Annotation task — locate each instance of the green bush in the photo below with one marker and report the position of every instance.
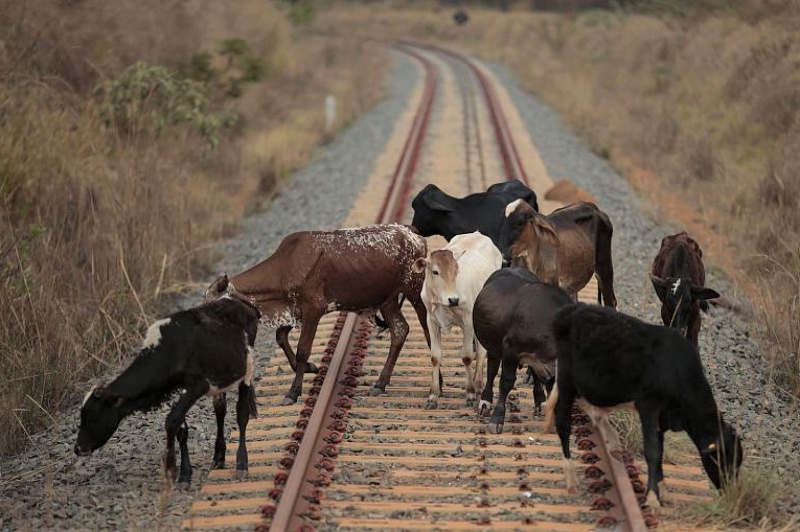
(146, 99)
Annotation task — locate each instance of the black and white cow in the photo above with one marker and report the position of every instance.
(438, 213)
(206, 350)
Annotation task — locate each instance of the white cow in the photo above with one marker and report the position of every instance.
(454, 276)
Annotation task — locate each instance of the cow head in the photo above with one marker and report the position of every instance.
(441, 270)
(101, 414)
(723, 458)
(218, 288)
(527, 238)
(429, 204)
(680, 299)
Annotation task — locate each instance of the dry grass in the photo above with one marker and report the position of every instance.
(99, 229)
(753, 502)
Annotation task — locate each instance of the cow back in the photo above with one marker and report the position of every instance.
(680, 256)
(515, 308)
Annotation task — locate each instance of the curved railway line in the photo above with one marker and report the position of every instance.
(341, 459)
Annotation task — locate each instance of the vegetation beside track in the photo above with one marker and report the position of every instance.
(126, 148)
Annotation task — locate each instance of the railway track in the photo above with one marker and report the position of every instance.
(345, 460)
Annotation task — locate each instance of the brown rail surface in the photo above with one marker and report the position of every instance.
(343, 460)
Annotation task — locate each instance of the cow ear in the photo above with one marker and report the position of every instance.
(114, 400)
(703, 293)
(437, 204)
(457, 254)
(546, 231)
(661, 286)
(419, 265)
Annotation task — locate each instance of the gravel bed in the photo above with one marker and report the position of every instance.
(119, 487)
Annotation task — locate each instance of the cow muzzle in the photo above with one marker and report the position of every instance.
(452, 301)
(82, 452)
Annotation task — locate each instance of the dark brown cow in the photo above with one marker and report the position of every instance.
(564, 248)
(678, 276)
(316, 272)
(512, 318)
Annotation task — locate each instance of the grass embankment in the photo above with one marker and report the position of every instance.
(132, 134)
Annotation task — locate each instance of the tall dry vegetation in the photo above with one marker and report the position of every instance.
(109, 205)
(699, 101)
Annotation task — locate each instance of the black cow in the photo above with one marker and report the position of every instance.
(607, 359)
(437, 213)
(513, 317)
(207, 350)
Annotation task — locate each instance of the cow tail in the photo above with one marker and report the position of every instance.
(603, 263)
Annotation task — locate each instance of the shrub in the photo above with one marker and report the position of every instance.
(146, 99)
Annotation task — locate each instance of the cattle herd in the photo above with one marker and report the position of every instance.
(508, 278)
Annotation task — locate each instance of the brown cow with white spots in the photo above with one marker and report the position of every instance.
(313, 273)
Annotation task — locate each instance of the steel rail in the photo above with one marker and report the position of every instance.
(292, 505)
(323, 420)
(509, 154)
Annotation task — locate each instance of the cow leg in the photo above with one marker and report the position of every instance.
(508, 374)
(282, 338)
(422, 313)
(480, 368)
(530, 378)
(175, 419)
(304, 345)
(653, 453)
(492, 367)
(398, 328)
(220, 406)
(538, 395)
(186, 465)
(467, 348)
(244, 411)
(436, 360)
(563, 415)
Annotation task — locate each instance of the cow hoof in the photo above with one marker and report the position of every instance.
(183, 485)
(375, 391)
(311, 368)
(432, 404)
(288, 401)
(241, 474)
(537, 410)
(495, 428)
(218, 464)
(484, 407)
(652, 502)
